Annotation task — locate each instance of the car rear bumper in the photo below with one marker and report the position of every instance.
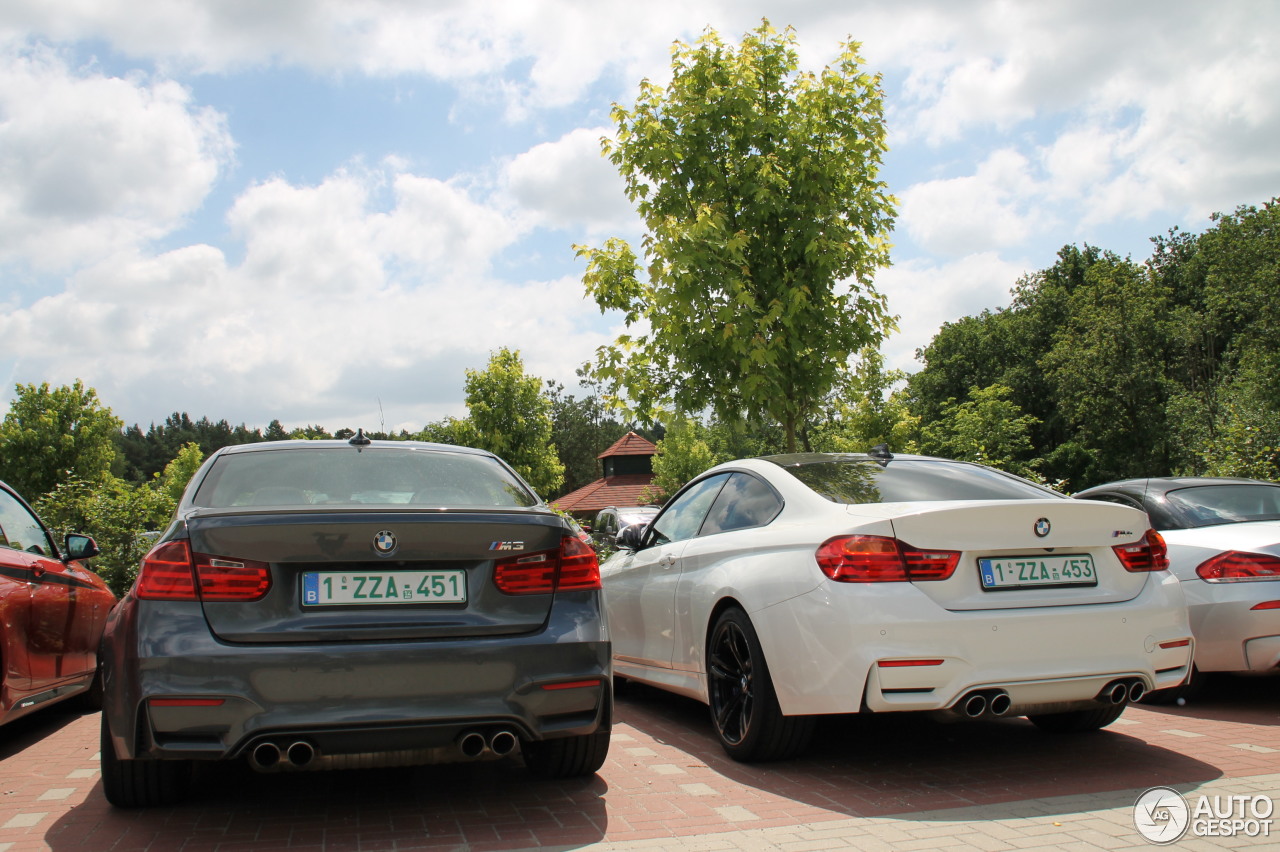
(1231, 636)
(173, 691)
(864, 648)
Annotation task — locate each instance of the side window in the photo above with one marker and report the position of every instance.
(683, 517)
(743, 502)
(21, 529)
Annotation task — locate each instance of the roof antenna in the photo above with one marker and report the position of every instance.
(880, 451)
(359, 440)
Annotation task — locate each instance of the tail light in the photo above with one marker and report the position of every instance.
(572, 566)
(171, 572)
(1235, 566)
(878, 559)
(1148, 553)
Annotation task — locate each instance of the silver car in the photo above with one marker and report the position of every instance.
(353, 604)
(1224, 547)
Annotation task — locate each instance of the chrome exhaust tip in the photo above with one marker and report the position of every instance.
(1136, 690)
(300, 753)
(471, 744)
(1000, 704)
(503, 743)
(974, 705)
(265, 756)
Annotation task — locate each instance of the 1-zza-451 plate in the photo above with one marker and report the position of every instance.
(1020, 572)
(335, 588)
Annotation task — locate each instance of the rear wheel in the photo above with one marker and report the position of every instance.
(567, 757)
(1078, 721)
(141, 783)
(744, 706)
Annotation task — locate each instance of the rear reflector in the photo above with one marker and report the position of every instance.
(1148, 553)
(893, 664)
(1177, 643)
(879, 559)
(573, 566)
(1235, 566)
(1266, 605)
(573, 684)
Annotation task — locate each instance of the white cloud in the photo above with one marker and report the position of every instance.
(925, 294)
(990, 209)
(568, 183)
(89, 163)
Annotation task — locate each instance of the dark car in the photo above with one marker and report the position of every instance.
(333, 604)
(52, 612)
(612, 520)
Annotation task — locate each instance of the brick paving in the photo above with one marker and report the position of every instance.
(886, 782)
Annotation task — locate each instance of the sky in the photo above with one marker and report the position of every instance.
(326, 211)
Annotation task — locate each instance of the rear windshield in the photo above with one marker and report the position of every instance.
(374, 476)
(858, 480)
(1207, 505)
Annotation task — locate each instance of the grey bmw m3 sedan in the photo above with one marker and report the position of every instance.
(355, 604)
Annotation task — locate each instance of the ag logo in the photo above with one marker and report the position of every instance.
(1042, 527)
(384, 543)
(1161, 815)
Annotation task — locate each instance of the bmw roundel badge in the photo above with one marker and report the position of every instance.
(1042, 527)
(384, 543)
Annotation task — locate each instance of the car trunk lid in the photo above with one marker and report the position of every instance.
(375, 576)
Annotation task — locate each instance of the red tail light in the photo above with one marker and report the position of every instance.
(573, 566)
(1148, 553)
(170, 572)
(166, 574)
(1235, 566)
(878, 559)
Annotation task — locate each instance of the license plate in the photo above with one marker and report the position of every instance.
(1020, 572)
(336, 588)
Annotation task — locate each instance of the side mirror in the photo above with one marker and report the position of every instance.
(632, 537)
(80, 547)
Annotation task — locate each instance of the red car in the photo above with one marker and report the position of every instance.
(52, 611)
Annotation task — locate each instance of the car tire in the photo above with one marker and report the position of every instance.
(744, 707)
(141, 783)
(1078, 721)
(567, 757)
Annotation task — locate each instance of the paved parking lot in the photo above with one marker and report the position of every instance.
(890, 782)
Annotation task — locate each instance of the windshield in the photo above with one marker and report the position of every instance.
(373, 476)
(1207, 505)
(862, 480)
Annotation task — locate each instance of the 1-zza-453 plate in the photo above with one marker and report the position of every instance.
(1020, 572)
(334, 588)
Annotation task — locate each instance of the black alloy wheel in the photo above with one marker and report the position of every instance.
(744, 706)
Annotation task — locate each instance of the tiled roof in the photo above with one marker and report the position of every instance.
(629, 444)
(624, 490)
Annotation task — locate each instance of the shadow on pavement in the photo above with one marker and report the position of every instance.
(489, 804)
(906, 763)
(1248, 700)
(22, 733)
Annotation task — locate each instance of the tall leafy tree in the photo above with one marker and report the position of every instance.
(759, 186)
(53, 434)
(512, 418)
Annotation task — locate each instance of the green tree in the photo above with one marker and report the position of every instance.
(52, 435)
(581, 430)
(758, 184)
(172, 481)
(512, 418)
(867, 409)
(116, 513)
(682, 454)
(987, 427)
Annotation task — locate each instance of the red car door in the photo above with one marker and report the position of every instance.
(36, 639)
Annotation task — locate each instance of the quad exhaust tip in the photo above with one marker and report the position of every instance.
(985, 702)
(499, 743)
(1123, 691)
(269, 757)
